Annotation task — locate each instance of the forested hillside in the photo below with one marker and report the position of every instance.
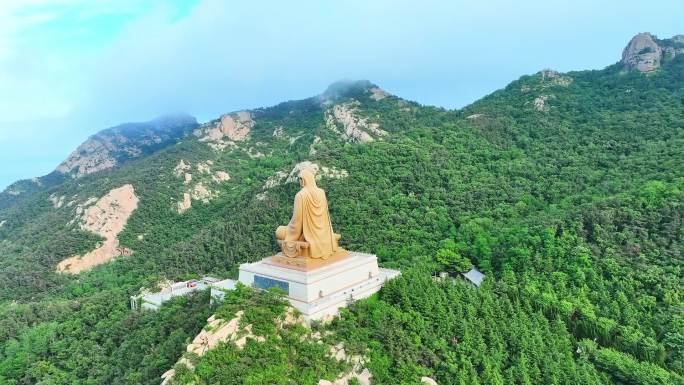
(566, 190)
(105, 150)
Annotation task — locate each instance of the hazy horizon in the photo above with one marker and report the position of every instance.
(70, 68)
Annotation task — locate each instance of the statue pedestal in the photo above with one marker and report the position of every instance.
(306, 264)
(319, 291)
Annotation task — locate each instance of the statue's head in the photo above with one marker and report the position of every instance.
(307, 178)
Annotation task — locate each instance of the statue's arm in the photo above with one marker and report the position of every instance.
(294, 228)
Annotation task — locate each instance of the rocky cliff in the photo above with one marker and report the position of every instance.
(115, 145)
(645, 52)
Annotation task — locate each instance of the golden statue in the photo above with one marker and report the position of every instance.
(308, 240)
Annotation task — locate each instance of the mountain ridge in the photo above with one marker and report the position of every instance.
(565, 189)
(645, 52)
(107, 148)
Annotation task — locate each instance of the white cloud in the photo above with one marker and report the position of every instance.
(40, 61)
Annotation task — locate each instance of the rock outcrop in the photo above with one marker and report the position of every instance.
(201, 190)
(555, 78)
(181, 168)
(57, 201)
(220, 176)
(355, 127)
(107, 217)
(236, 127)
(313, 146)
(278, 132)
(201, 193)
(646, 53)
(358, 373)
(226, 131)
(185, 204)
(219, 330)
(539, 103)
(281, 177)
(94, 155)
(642, 53)
(110, 147)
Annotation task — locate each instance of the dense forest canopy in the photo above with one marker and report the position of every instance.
(566, 190)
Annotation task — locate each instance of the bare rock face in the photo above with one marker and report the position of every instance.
(282, 177)
(201, 193)
(110, 147)
(107, 218)
(95, 154)
(226, 131)
(642, 53)
(204, 177)
(647, 53)
(236, 127)
(278, 132)
(312, 147)
(356, 128)
(57, 201)
(204, 167)
(220, 176)
(540, 103)
(549, 76)
(185, 204)
(181, 168)
(219, 331)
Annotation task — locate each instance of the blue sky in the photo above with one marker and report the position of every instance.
(69, 68)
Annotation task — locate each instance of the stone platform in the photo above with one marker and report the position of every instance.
(320, 291)
(305, 264)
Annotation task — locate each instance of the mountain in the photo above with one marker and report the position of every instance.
(565, 189)
(105, 150)
(116, 145)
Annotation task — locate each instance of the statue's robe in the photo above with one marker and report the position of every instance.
(310, 219)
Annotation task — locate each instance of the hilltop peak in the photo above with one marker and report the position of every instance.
(646, 53)
(345, 89)
(342, 88)
(173, 121)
